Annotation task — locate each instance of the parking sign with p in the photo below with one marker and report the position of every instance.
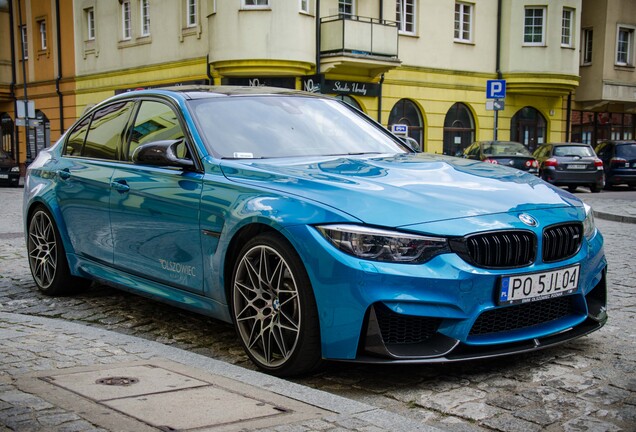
(495, 89)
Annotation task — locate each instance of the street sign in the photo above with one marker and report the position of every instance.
(495, 105)
(495, 89)
(25, 108)
(400, 129)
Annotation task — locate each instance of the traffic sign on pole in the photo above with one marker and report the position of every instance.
(495, 89)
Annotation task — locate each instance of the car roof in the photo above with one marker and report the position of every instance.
(569, 144)
(206, 91)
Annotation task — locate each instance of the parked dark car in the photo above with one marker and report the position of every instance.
(506, 153)
(9, 170)
(619, 162)
(571, 165)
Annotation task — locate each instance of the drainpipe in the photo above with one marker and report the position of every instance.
(498, 48)
(380, 99)
(13, 81)
(59, 65)
(381, 11)
(318, 42)
(567, 118)
(207, 69)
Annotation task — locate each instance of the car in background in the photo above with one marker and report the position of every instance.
(571, 165)
(505, 153)
(312, 229)
(9, 170)
(619, 162)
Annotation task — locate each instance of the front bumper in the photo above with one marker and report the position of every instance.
(386, 312)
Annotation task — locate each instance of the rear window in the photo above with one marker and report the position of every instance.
(505, 149)
(573, 151)
(627, 151)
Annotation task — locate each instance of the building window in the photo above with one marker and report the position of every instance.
(588, 37)
(463, 22)
(304, 6)
(534, 28)
(625, 46)
(346, 7)
(43, 41)
(191, 13)
(145, 17)
(405, 16)
(125, 20)
(459, 129)
(90, 24)
(406, 112)
(567, 25)
(255, 4)
(25, 42)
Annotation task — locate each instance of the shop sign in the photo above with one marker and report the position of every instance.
(283, 82)
(315, 84)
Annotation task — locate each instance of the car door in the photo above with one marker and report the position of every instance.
(155, 210)
(84, 173)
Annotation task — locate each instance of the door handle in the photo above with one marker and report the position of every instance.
(120, 186)
(64, 174)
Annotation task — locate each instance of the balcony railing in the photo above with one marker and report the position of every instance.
(354, 35)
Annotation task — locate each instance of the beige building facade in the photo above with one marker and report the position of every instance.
(422, 64)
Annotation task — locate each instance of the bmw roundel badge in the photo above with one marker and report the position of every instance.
(528, 220)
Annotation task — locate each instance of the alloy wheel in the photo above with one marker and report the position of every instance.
(267, 306)
(43, 249)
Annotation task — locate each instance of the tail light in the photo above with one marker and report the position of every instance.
(551, 162)
(492, 161)
(532, 163)
(598, 164)
(618, 161)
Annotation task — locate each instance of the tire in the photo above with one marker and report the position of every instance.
(274, 309)
(572, 188)
(47, 258)
(594, 188)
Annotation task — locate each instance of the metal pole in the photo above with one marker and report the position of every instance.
(494, 134)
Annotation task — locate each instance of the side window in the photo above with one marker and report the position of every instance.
(75, 141)
(105, 132)
(155, 121)
(474, 150)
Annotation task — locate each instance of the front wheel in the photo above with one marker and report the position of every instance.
(47, 258)
(274, 309)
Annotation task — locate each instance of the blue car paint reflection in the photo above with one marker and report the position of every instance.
(177, 235)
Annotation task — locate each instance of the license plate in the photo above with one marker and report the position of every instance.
(4, 176)
(575, 166)
(531, 287)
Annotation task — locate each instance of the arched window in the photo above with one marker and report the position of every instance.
(7, 127)
(459, 129)
(528, 127)
(407, 113)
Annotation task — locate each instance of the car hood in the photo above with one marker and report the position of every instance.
(400, 190)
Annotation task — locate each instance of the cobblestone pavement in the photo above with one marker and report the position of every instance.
(586, 385)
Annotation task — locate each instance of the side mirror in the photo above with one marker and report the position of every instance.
(412, 144)
(161, 153)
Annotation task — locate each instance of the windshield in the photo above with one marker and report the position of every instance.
(573, 151)
(505, 149)
(245, 127)
(627, 151)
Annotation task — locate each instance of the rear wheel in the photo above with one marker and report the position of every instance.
(47, 258)
(594, 188)
(274, 309)
(572, 188)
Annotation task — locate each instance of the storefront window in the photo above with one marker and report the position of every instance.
(591, 127)
(459, 129)
(528, 126)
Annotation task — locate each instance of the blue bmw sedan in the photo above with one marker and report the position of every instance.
(312, 229)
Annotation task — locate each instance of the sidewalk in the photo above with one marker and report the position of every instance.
(61, 376)
(616, 210)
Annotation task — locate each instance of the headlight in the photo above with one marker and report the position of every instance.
(15, 169)
(589, 227)
(383, 245)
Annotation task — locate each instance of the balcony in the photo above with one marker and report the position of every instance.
(358, 45)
